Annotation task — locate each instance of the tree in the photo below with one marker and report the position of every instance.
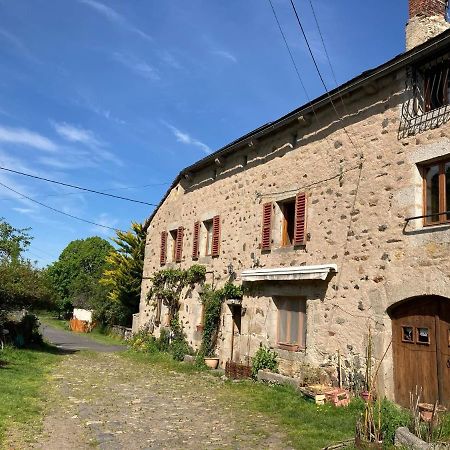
(123, 277)
(22, 285)
(76, 274)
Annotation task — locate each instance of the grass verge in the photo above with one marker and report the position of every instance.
(23, 375)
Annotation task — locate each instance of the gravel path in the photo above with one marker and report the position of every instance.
(68, 341)
(107, 401)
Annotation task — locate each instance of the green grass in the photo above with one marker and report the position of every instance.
(23, 376)
(306, 425)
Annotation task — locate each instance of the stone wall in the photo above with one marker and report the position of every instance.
(358, 198)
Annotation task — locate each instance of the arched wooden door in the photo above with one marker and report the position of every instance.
(421, 344)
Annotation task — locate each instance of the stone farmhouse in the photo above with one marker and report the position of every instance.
(337, 218)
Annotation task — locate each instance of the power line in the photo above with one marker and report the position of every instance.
(57, 210)
(318, 71)
(65, 194)
(76, 187)
(296, 67)
(333, 73)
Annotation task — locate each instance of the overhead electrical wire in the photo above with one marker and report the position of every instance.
(57, 210)
(73, 186)
(319, 72)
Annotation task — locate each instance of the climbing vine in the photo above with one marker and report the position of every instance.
(168, 285)
(212, 300)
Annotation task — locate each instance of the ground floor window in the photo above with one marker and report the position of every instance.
(291, 322)
(436, 178)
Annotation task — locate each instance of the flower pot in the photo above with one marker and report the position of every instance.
(366, 396)
(212, 363)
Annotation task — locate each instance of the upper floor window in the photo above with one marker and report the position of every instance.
(208, 227)
(436, 87)
(436, 179)
(288, 222)
(284, 223)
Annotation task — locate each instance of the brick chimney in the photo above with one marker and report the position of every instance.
(427, 18)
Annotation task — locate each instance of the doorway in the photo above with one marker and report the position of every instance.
(421, 349)
(236, 313)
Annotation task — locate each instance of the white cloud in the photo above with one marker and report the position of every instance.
(116, 18)
(76, 134)
(185, 138)
(226, 55)
(137, 66)
(22, 136)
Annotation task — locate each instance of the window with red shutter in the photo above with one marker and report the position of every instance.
(215, 247)
(196, 241)
(163, 253)
(266, 226)
(179, 244)
(300, 219)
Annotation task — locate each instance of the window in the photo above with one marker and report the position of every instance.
(436, 179)
(208, 225)
(408, 334)
(436, 87)
(291, 322)
(423, 336)
(288, 222)
(173, 244)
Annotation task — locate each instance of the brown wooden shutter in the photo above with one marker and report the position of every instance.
(163, 253)
(215, 248)
(266, 226)
(300, 219)
(179, 244)
(195, 240)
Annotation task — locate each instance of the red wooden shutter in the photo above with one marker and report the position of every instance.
(195, 241)
(179, 244)
(300, 219)
(163, 253)
(266, 226)
(215, 248)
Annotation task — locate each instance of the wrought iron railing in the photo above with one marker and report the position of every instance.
(427, 97)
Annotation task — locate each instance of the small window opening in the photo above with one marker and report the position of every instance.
(288, 222)
(245, 160)
(173, 243)
(208, 224)
(407, 334)
(423, 336)
(237, 318)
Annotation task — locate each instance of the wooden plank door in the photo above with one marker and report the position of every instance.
(443, 351)
(415, 345)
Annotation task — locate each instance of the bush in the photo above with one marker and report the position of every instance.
(264, 359)
(144, 342)
(24, 332)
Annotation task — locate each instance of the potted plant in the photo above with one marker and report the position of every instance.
(212, 362)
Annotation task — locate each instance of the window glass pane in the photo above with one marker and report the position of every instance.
(432, 186)
(423, 335)
(294, 334)
(447, 188)
(282, 325)
(407, 334)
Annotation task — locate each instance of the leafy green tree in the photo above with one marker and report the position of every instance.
(22, 285)
(123, 277)
(76, 274)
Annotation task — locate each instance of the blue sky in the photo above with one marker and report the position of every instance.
(121, 95)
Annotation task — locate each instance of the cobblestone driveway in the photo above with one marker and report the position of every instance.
(107, 401)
